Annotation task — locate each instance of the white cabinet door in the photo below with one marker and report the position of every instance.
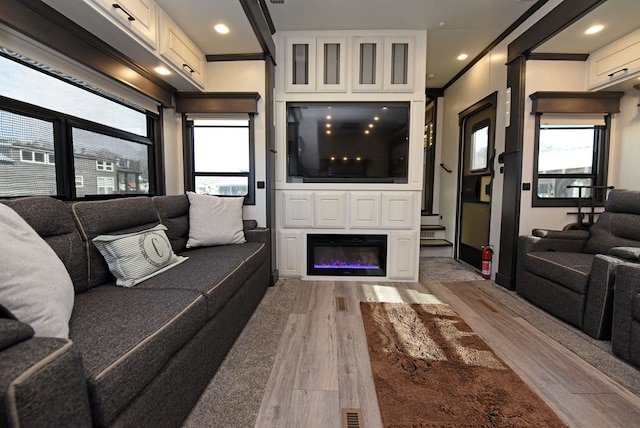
(402, 255)
(180, 51)
(291, 254)
(300, 64)
(364, 210)
(397, 210)
(615, 62)
(398, 64)
(367, 55)
(297, 209)
(330, 210)
(332, 64)
(139, 17)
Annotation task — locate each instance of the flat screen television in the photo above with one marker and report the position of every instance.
(348, 141)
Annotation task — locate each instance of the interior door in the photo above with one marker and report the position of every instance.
(477, 126)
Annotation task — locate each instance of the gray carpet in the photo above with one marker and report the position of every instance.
(233, 397)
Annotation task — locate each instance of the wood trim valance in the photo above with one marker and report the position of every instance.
(576, 102)
(217, 102)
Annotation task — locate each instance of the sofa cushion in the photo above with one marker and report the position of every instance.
(34, 283)
(136, 257)
(215, 272)
(126, 336)
(569, 269)
(51, 219)
(174, 214)
(214, 220)
(110, 217)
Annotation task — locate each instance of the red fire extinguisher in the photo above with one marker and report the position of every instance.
(487, 255)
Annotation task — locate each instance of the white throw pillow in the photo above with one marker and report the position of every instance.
(214, 220)
(135, 257)
(34, 283)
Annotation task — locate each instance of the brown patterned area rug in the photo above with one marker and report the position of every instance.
(431, 370)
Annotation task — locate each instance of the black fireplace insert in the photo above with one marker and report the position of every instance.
(344, 255)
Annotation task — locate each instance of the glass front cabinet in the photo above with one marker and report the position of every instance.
(357, 64)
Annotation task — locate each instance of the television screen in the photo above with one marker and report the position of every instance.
(348, 142)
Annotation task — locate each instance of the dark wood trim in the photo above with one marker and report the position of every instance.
(267, 16)
(237, 57)
(434, 92)
(270, 157)
(512, 170)
(557, 57)
(260, 27)
(552, 23)
(44, 24)
(576, 102)
(563, 15)
(158, 155)
(217, 102)
(488, 101)
(533, 9)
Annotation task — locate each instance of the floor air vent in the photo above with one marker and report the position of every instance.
(341, 304)
(352, 418)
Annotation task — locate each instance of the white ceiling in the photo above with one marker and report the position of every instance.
(453, 26)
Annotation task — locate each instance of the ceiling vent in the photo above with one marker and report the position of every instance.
(278, 1)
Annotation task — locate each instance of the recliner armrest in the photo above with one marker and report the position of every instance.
(571, 243)
(561, 234)
(626, 289)
(626, 253)
(598, 311)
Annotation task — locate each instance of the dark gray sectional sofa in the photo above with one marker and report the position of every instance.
(571, 274)
(140, 356)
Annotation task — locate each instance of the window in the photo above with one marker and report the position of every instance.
(570, 158)
(105, 185)
(104, 166)
(222, 153)
(479, 148)
(88, 145)
(37, 157)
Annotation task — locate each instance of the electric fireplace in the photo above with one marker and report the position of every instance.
(346, 255)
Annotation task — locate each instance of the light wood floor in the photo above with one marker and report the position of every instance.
(323, 365)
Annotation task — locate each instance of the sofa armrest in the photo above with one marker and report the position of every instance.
(598, 311)
(259, 234)
(42, 383)
(626, 289)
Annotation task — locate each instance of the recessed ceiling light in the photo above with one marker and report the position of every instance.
(462, 57)
(595, 29)
(162, 70)
(221, 28)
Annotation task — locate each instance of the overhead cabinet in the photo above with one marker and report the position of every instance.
(139, 17)
(376, 64)
(180, 51)
(142, 31)
(616, 62)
